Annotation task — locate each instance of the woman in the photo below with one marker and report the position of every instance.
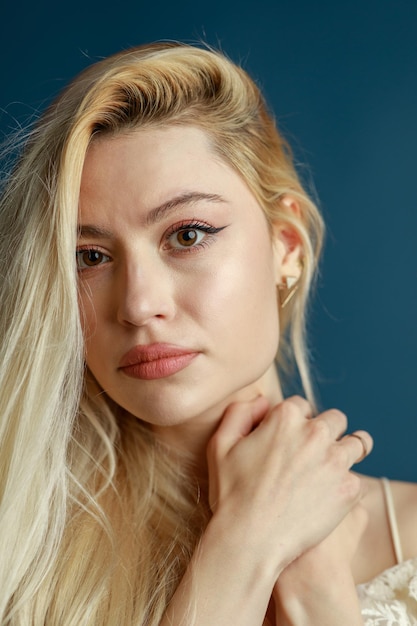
(153, 472)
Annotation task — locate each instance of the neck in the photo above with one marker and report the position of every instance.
(193, 436)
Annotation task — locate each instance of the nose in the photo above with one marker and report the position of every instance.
(145, 293)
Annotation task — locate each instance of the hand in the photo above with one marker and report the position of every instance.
(329, 558)
(320, 583)
(280, 479)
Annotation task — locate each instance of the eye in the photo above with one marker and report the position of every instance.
(186, 237)
(190, 235)
(90, 257)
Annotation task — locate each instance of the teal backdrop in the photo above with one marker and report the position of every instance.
(342, 80)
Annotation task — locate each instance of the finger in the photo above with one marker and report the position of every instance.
(359, 445)
(366, 441)
(291, 408)
(336, 422)
(299, 405)
(239, 419)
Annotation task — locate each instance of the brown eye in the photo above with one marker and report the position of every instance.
(90, 258)
(186, 238)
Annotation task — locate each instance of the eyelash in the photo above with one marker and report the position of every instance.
(81, 251)
(209, 231)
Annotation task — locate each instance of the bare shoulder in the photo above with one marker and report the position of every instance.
(404, 495)
(376, 551)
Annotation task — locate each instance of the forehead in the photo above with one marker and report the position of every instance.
(150, 147)
(145, 155)
(150, 166)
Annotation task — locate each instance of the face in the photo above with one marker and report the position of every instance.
(177, 275)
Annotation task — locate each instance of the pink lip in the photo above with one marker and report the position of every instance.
(156, 360)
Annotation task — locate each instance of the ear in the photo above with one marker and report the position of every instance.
(287, 246)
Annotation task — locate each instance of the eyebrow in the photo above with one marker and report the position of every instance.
(88, 230)
(185, 199)
(157, 214)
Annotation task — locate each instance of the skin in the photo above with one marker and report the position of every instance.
(218, 297)
(356, 552)
(262, 455)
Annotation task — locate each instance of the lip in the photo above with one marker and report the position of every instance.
(157, 360)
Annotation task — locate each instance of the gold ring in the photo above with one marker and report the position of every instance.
(364, 446)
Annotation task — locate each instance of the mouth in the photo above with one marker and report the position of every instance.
(155, 361)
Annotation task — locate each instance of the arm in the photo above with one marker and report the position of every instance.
(224, 584)
(268, 470)
(318, 588)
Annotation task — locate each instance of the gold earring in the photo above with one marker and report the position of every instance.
(287, 289)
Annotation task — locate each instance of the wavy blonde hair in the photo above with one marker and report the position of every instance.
(97, 522)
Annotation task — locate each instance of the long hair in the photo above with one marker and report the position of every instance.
(97, 521)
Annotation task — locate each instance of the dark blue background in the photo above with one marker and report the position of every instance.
(342, 80)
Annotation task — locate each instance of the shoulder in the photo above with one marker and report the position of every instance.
(376, 550)
(404, 495)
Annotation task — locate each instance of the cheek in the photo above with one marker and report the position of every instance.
(239, 299)
(258, 300)
(88, 318)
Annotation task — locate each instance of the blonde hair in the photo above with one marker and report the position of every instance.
(97, 522)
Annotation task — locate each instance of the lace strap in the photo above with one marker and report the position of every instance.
(392, 520)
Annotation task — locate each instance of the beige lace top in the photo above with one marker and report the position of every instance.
(391, 598)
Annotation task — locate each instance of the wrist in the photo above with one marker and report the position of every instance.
(329, 600)
(238, 543)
